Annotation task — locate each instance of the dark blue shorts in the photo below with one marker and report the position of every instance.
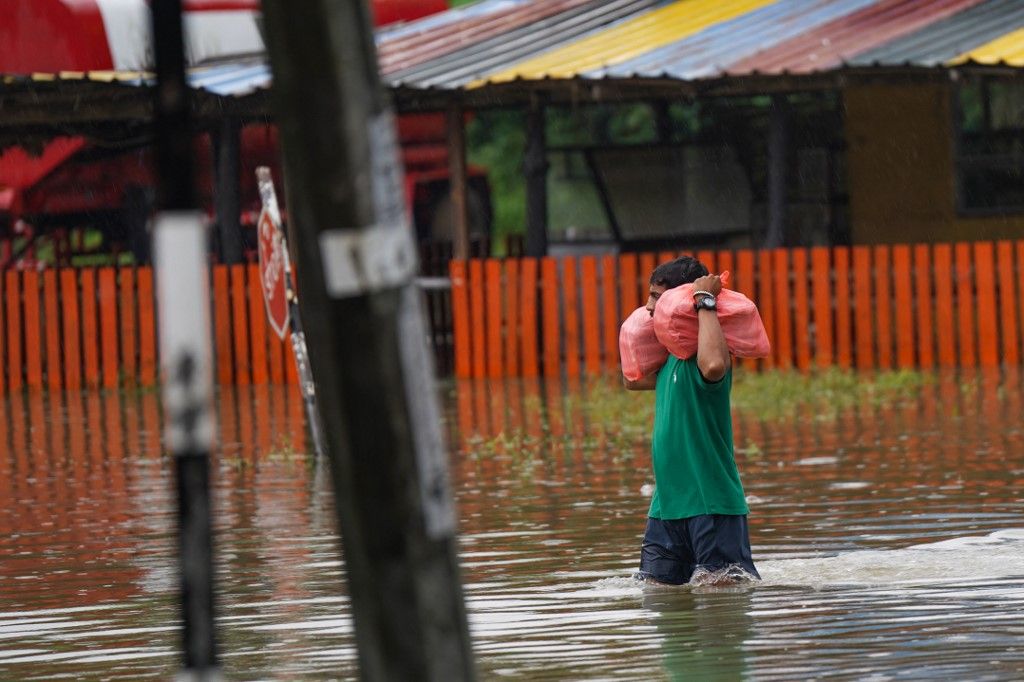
(673, 549)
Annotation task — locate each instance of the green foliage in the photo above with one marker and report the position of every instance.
(776, 395)
(604, 414)
(496, 140)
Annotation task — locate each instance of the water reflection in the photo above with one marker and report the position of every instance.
(888, 536)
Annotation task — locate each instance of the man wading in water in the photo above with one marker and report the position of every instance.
(697, 524)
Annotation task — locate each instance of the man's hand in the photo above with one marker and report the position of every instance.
(646, 383)
(709, 283)
(712, 352)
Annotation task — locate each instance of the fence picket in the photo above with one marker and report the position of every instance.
(923, 309)
(108, 326)
(965, 304)
(493, 288)
(51, 327)
(942, 257)
(570, 292)
(512, 317)
(476, 309)
(72, 329)
(883, 306)
(1008, 302)
(610, 316)
(33, 330)
(126, 283)
(460, 318)
(783, 309)
(1020, 284)
(591, 340)
(8, 367)
(222, 325)
(13, 296)
(821, 288)
(844, 338)
(744, 282)
(257, 326)
(988, 326)
(862, 326)
(904, 296)
(528, 299)
(243, 369)
(147, 328)
(766, 304)
(801, 311)
(549, 310)
(724, 261)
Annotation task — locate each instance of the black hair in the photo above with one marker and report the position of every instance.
(682, 270)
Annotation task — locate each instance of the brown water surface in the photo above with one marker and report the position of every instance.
(891, 540)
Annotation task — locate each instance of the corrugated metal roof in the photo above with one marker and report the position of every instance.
(949, 38)
(628, 39)
(473, 62)
(409, 50)
(842, 40)
(709, 52)
(1008, 49)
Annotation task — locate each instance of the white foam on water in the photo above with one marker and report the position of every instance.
(815, 461)
(994, 556)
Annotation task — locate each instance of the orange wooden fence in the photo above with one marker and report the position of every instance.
(867, 307)
(73, 328)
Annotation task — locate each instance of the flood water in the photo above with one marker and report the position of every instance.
(890, 539)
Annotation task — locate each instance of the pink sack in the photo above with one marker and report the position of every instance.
(639, 349)
(675, 323)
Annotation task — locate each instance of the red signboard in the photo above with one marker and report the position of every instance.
(272, 272)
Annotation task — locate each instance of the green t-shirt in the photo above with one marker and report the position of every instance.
(694, 469)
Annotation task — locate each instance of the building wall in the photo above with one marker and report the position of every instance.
(900, 169)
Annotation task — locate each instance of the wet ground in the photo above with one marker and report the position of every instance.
(891, 540)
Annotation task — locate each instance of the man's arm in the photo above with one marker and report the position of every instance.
(647, 383)
(712, 352)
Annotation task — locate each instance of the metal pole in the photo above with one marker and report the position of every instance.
(185, 354)
(227, 147)
(536, 168)
(355, 264)
(778, 143)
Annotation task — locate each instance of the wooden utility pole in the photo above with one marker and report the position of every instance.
(186, 359)
(356, 262)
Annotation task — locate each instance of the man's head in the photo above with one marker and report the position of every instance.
(682, 270)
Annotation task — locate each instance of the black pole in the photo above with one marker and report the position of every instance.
(180, 247)
(356, 262)
(535, 162)
(778, 154)
(227, 147)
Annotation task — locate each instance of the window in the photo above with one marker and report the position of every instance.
(990, 146)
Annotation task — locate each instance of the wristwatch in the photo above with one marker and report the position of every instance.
(705, 302)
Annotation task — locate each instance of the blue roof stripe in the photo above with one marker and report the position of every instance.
(231, 79)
